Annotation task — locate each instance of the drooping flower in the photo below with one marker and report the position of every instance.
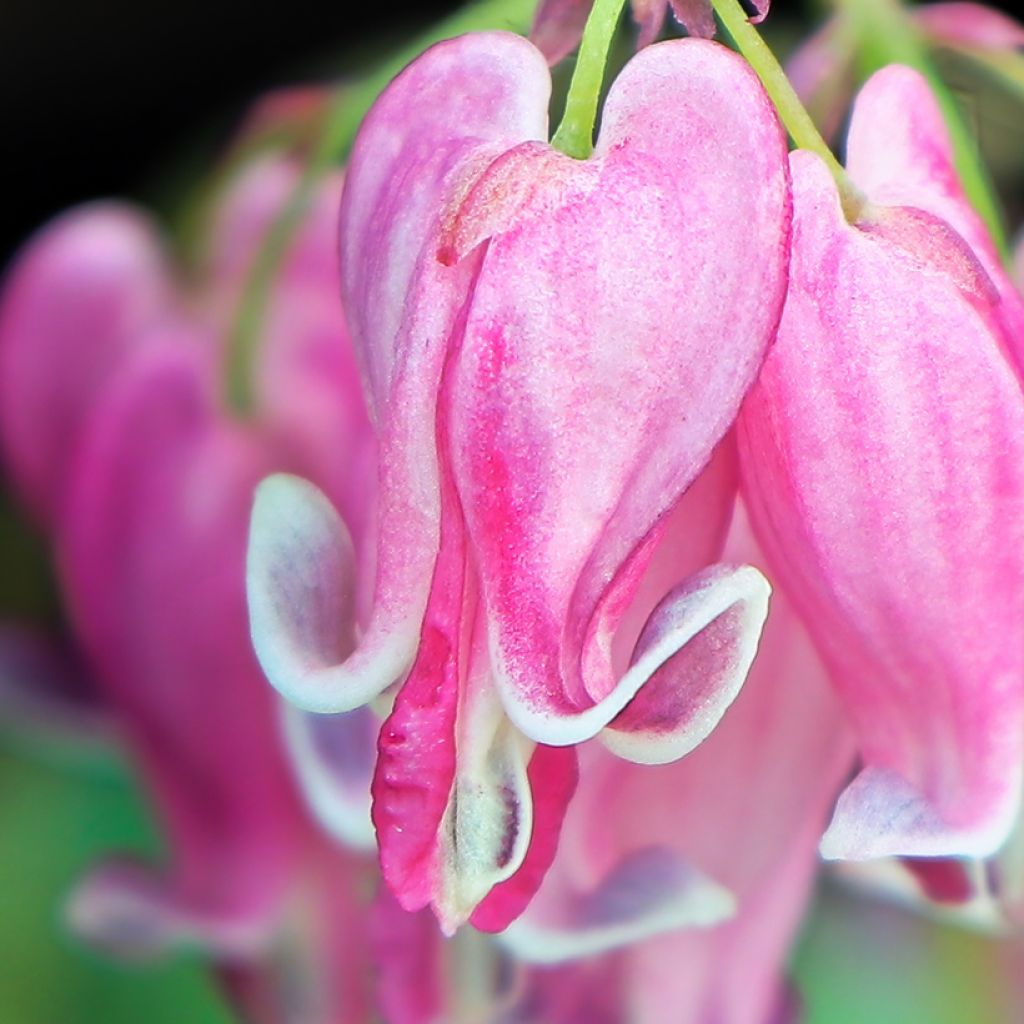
(883, 458)
(552, 350)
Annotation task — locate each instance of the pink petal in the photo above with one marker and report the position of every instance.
(567, 487)
(969, 25)
(401, 304)
(300, 581)
(558, 27)
(128, 910)
(650, 18)
(409, 960)
(79, 299)
(152, 562)
(906, 159)
(884, 456)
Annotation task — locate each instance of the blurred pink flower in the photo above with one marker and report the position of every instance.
(116, 428)
(823, 68)
(883, 458)
(541, 406)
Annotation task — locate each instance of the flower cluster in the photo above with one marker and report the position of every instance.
(617, 517)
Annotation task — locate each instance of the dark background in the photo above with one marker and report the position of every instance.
(112, 97)
(98, 97)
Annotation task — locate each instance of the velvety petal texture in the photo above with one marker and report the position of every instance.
(883, 455)
(540, 411)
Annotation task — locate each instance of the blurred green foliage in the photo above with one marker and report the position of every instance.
(54, 824)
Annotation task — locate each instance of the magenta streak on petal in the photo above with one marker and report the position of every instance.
(944, 881)
(483, 92)
(416, 748)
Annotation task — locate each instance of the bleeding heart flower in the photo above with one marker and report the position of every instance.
(552, 350)
(883, 456)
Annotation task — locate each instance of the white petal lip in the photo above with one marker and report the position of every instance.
(677, 896)
(719, 589)
(300, 578)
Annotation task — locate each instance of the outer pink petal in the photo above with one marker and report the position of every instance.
(884, 455)
(453, 796)
(152, 560)
(79, 299)
(899, 154)
(745, 809)
(969, 25)
(558, 27)
(487, 90)
(583, 405)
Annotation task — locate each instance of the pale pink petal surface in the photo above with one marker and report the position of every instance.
(883, 451)
(576, 424)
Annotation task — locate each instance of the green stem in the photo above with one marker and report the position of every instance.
(887, 35)
(792, 112)
(252, 307)
(575, 135)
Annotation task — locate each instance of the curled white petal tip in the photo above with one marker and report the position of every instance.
(734, 596)
(652, 891)
(300, 577)
(881, 815)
